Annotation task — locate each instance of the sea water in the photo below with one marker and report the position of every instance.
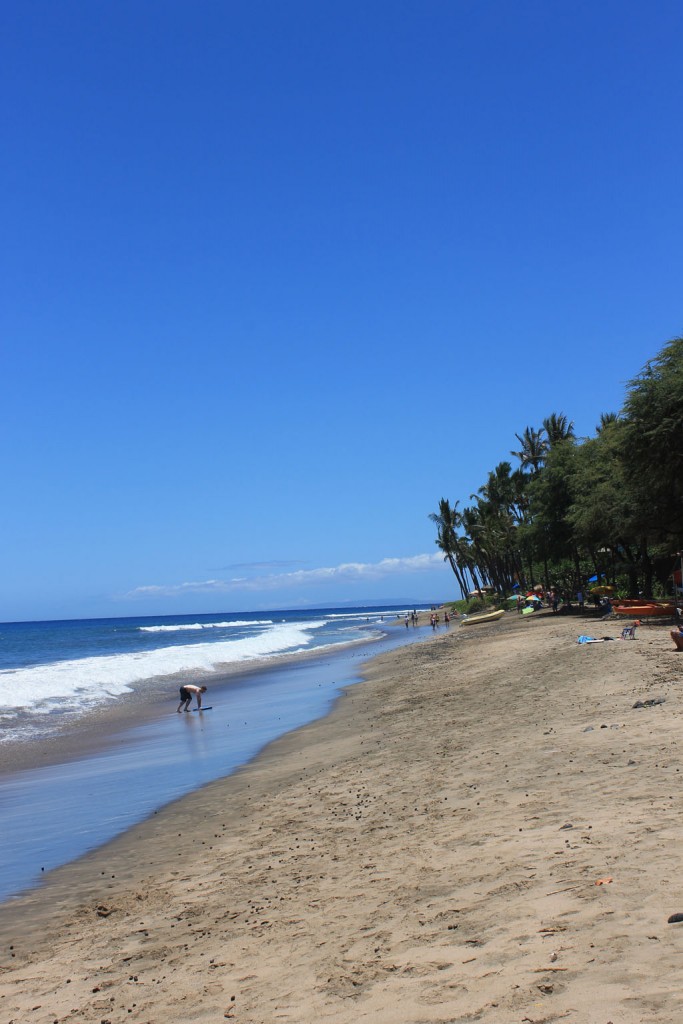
(52, 672)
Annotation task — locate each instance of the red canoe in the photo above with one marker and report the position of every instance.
(641, 611)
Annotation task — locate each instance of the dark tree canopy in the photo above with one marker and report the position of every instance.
(653, 439)
(574, 508)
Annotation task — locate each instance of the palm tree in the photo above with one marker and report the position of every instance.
(534, 447)
(448, 520)
(475, 547)
(520, 497)
(558, 429)
(498, 488)
(605, 419)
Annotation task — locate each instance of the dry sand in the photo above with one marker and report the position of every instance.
(427, 853)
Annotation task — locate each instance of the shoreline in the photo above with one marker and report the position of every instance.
(88, 732)
(80, 792)
(423, 851)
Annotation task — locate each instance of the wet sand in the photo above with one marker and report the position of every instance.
(428, 852)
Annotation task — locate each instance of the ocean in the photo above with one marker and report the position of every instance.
(266, 673)
(53, 672)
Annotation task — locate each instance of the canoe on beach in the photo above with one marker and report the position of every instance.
(643, 610)
(487, 617)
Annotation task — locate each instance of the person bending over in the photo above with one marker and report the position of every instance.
(186, 693)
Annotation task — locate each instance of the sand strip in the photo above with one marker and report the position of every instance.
(427, 853)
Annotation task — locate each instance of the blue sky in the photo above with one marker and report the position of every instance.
(278, 276)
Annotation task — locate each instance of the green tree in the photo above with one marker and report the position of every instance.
(550, 500)
(557, 429)
(653, 415)
(448, 521)
(613, 502)
(605, 419)
(533, 448)
(602, 513)
(501, 505)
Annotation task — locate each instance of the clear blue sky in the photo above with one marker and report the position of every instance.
(277, 276)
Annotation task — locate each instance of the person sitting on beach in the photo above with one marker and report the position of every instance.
(186, 696)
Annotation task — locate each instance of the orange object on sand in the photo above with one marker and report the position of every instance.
(643, 610)
(603, 881)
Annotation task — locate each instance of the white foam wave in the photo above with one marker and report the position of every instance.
(374, 615)
(88, 681)
(355, 615)
(205, 625)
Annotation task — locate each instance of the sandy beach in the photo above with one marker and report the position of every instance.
(485, 829)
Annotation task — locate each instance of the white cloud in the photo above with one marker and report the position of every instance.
(348, 572)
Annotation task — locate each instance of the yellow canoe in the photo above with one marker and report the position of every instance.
(487, 617)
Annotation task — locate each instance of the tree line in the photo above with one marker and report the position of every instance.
(610, 505)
